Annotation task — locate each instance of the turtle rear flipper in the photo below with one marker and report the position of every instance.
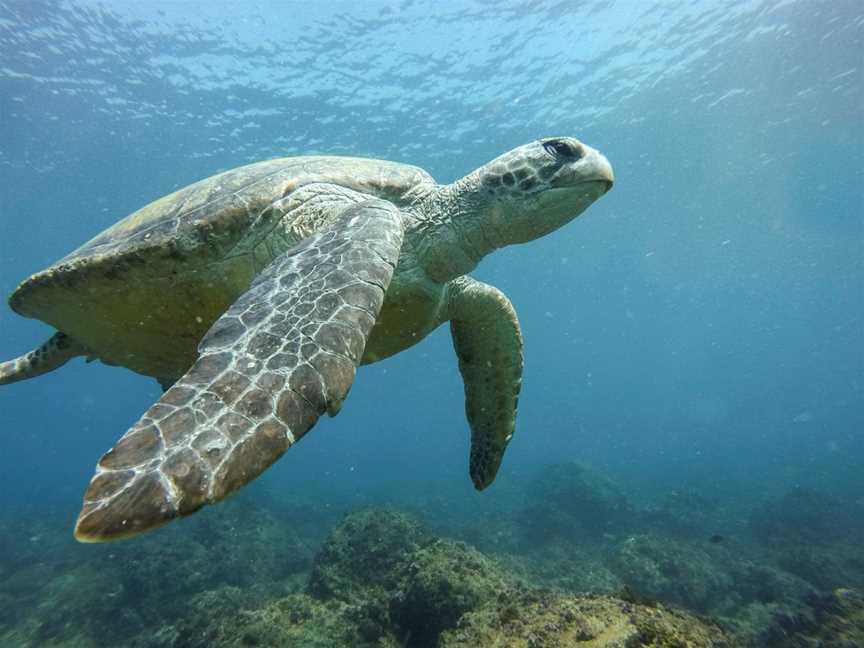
(54, 353)
(282, 355)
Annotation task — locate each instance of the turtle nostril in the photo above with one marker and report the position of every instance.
(609, 184)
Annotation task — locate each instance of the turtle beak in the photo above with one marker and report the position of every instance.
(605, 172)
(591, 167)
(598, 169)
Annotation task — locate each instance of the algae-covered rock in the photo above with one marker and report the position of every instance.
(815, 536)
(760, 583)
(256, 545)
(840, 564)
(223, 618)
(382, 581)
(8, 603)
(671, 571)
(569, 501)
(206, 614)
(532, 619)
(684, 513)
(295, 621)
(56, 592)
(391, 572)
(709, 579)
(444, 595)
(807, 516)
(359, 557)
(85, 602)
(565, 567)
(831, 620)
(438, 584)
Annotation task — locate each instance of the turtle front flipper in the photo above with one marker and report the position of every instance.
(282, 355)
(488, 342)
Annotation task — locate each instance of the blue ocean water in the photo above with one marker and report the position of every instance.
(700, 328)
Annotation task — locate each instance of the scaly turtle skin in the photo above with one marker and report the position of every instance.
(253, 295)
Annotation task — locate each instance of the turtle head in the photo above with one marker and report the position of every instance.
(517, 197)
(537, 188)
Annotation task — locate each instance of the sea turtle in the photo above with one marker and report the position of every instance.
(253, 295)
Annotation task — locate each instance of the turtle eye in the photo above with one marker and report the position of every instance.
(562, 149)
